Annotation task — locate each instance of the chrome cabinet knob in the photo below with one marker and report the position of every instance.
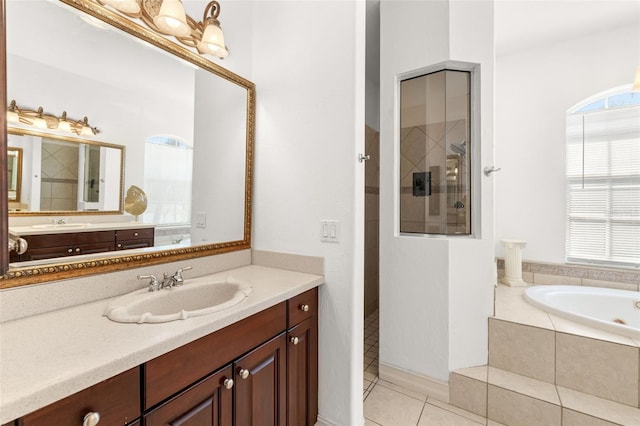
(91, 419)
(135, 234)
(228, 383)
(70, 250)
(243, 373)
(294, 340)
(304, 308)
(77, 249)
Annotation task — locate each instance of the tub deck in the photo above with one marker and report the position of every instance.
(511, 306)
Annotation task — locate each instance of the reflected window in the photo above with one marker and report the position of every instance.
(435, 142)
(168, 171)
(603, 179)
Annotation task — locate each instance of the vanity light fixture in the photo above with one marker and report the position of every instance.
(38, 118)
(168, 17)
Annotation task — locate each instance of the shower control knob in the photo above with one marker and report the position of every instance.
(304, 308)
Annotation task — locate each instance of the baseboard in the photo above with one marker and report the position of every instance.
(324, 422)
(433, 388)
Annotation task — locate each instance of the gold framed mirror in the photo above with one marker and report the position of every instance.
(225, 185)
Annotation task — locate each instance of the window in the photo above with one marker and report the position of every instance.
(603, 179)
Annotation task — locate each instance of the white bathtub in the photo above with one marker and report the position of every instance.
(615, 311)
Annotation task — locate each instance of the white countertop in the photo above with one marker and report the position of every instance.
(75, 227)
(47, 357)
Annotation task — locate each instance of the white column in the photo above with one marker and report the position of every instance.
(513, 263)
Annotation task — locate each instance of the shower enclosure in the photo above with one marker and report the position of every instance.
(435, 147)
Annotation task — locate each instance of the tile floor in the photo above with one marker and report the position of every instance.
(386, 404)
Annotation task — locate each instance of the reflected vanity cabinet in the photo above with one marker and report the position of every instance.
(260, 370)
(48, 246)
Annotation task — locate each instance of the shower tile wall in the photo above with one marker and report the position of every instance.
(372, 201)
(59, 183)
(423, 148)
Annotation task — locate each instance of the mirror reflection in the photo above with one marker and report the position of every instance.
(183, 128)
(14, 174)
(64, 174)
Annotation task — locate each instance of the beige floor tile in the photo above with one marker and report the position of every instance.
(368, 422)
(391, 408)
(478, 373)
(514, 409)
(471, 416)
(435, 416)
(369, 376)
(599, 408)
(522, 349)
(604, 369)
(402, 390)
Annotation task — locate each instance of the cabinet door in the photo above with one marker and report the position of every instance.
(260, 391)
(207, 403)
(302, 373)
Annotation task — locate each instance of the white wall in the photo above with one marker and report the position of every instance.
(534, 89)
(308, 66)
(435, 293)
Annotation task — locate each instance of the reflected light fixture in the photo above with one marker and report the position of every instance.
(38, 118)
(636, 83)
(168, 17)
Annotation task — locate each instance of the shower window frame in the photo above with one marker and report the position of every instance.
(474, 143)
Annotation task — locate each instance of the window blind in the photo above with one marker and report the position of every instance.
(603, 186)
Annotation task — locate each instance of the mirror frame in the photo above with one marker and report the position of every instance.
(19, 131)
(66, 269)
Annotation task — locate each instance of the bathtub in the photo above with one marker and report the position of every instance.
(615, 311)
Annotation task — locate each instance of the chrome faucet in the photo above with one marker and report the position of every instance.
(168, 281)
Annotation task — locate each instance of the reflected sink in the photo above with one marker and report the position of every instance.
(189, 300)
(60, 225)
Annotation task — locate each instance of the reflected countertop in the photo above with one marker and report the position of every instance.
(46, 357)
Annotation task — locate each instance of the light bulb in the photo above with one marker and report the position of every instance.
(213, 40)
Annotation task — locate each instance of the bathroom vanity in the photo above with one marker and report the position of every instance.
(254, 363)
(51, 242)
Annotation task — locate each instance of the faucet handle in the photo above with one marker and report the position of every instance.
(153, 283)
(177, 277)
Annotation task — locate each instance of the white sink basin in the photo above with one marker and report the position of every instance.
(189, 300)
(60, 225)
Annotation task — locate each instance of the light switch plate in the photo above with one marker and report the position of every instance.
(201, 220)
(330, 231)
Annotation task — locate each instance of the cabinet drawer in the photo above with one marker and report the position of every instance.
(134, 234)
(117, 400)
(175, 370)
(69, 239)
(303, 306)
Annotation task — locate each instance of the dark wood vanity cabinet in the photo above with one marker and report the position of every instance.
(47, 246)
(117, 400)
(262, 370)
(134, 238)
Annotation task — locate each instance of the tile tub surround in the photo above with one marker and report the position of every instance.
(46, 357)
(594, 380)
(565, 274)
